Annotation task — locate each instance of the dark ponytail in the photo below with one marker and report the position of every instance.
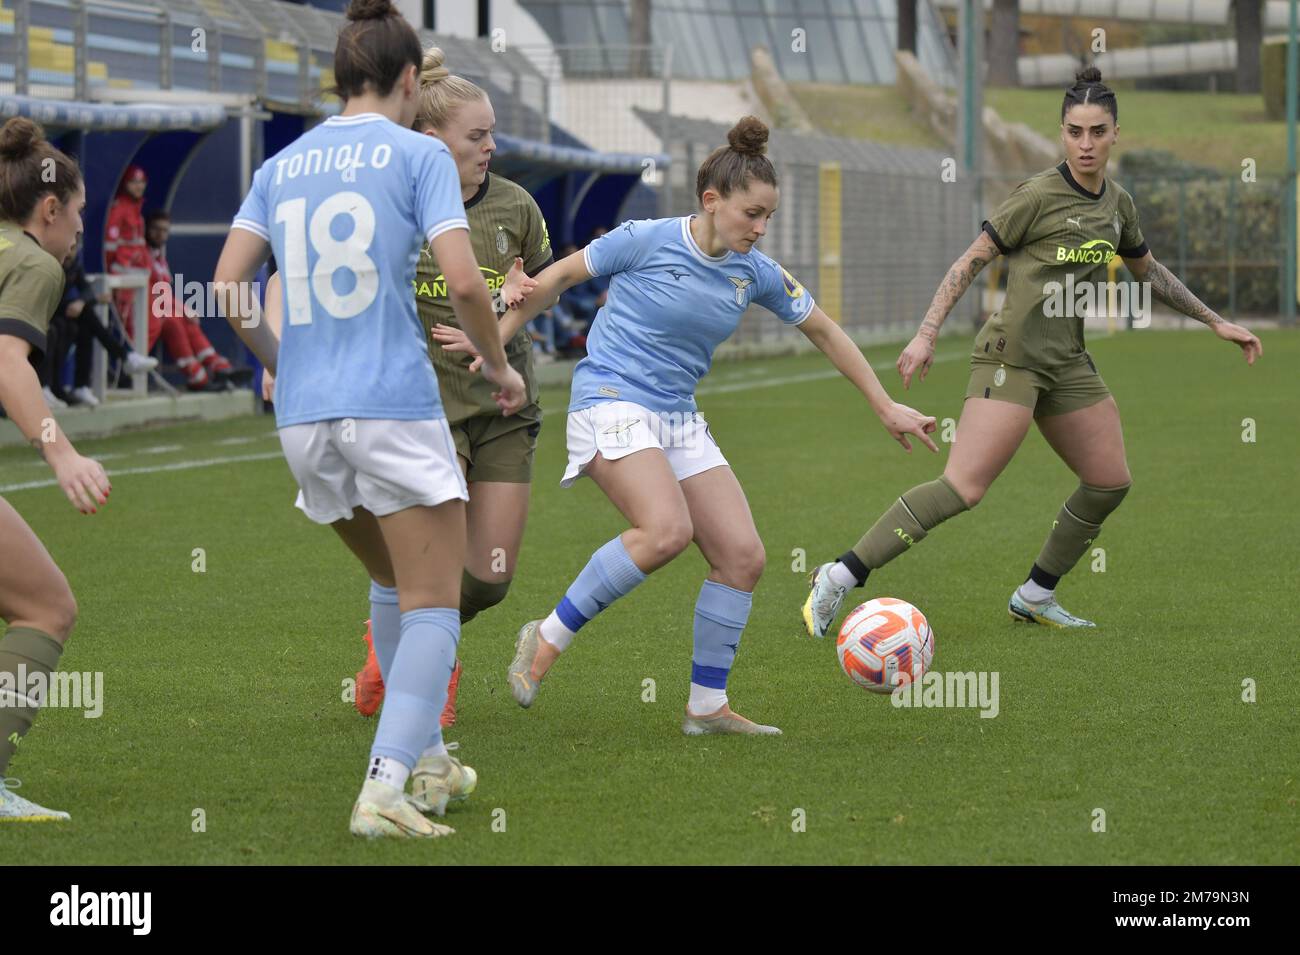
(733, 167)
(31, 168)
(373, 49)
(1088, 88)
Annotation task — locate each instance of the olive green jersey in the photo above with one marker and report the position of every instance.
(1050, 228)
(504, 222)
(31, 286)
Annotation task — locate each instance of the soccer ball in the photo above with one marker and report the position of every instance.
(885, 643)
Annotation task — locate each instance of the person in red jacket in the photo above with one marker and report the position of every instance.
(179, 326)
(124, 248)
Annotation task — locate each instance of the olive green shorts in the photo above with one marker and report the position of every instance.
(496, 448)
(1047, 391)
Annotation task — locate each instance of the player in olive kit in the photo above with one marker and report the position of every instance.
(1029, 363)
(496, 452)
(40, 223)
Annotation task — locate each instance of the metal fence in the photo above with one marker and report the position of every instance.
(870, 230)
(1224, 238)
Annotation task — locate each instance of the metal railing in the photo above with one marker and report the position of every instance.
(278, 53)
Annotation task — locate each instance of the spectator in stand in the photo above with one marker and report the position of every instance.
(79, 325)
(179, 326)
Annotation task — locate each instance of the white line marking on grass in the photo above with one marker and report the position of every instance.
(154, 469)
(808, 376)
(267, 456)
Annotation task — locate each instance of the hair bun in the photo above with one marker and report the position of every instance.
(749, 136)
(1089, 74)
(370, 10)
(432, 69)
(19, 138)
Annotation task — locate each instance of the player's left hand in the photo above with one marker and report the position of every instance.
(454, 339)
(517, 285)
(900, 421)
(1250, 345)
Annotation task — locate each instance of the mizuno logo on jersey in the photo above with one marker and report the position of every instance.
(742, 287)
(678, 274)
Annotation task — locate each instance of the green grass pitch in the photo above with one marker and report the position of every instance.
(224, 689)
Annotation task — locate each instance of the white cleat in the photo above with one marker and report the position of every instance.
(53, 400)
(384, 811)
(439, 780)
(725, 721)
(14, 808)
(823, 603)
(1049, 613)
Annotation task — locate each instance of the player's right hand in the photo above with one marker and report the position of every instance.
(268, 386)
(900, 421)
(917, 356)
(454, 339)
(511, 393)
(84, 482)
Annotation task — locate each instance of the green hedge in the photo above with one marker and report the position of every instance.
(1218, 234)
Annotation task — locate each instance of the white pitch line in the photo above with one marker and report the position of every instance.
(267, 456)
(808, 376)
(154, 469)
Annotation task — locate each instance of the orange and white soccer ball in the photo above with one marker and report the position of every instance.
(885, 643)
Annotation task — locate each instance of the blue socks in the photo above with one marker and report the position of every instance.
(721, 613)
(417, 683)
(609, 574)
(385, 625)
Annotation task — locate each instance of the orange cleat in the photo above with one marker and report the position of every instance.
(449, 711)
(370, 684)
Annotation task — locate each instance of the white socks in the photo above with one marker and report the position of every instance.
(437, 750)
(705, 700)
(1035, 593)
(841, 576)
(389, 771)
(554, 632)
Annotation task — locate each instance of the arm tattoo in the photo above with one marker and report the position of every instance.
(954, 284)
(1166, 287)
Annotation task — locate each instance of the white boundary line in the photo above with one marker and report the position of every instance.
(154, 469)
(269, 455)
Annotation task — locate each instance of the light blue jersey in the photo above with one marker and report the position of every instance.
(346, 209)
(668, 308)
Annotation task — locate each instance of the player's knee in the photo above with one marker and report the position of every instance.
(749, 567)
(60, 612)
(478, 595)
(970, 491)
(670, 536)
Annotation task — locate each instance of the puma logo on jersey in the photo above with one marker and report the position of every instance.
(1074, 221)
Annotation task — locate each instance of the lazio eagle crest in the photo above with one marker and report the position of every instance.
(742, 289)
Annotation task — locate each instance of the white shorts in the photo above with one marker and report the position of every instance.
(619, 428)
(382, 465)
